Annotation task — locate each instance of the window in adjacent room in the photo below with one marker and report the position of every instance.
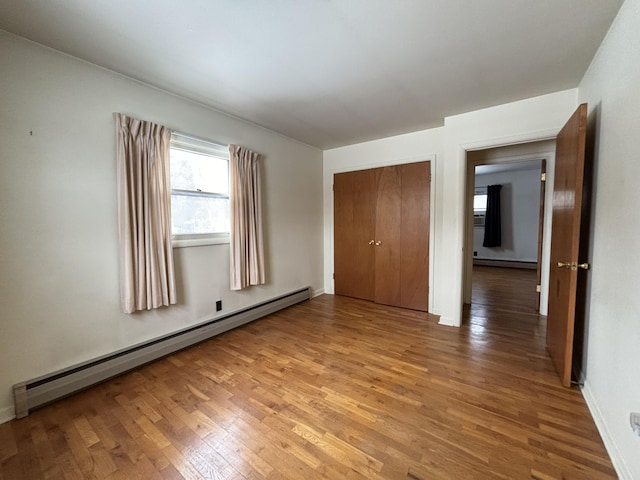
(199, 191)
(479, 206)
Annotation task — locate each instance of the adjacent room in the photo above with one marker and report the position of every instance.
(319, 239)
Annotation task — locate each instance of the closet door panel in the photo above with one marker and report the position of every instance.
(354, 228)
(414, 278)
(388, 242)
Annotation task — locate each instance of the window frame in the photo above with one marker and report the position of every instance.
(479, 215)
(189, 143)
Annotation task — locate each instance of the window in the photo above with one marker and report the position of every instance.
(479, 206)
(199, 191)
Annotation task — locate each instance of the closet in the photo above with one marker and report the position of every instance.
(381, 234)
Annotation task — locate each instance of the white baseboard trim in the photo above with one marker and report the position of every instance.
(317, 293)
(446, 321)
(612, 449)
(7, 414)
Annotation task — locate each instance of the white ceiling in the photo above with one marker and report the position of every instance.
(330, 72)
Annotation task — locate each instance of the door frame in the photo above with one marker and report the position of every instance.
(545, 156)
(329, 220)
(467, 226)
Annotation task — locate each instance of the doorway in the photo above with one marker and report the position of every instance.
(514, 275)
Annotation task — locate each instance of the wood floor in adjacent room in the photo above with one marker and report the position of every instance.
(331, 388)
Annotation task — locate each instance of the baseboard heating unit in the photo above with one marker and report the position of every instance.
(486, 262)
(54, 386)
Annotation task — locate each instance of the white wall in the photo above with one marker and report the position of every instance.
(610, 87)
(533, 119)
(59, 294)
(412, 147)
(520, 210)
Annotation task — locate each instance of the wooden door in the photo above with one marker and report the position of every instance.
(414, 267)
(381, 235)
(388, 241)
(354, 203)
(565, 241)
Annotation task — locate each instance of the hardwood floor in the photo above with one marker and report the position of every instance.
(332, 388)
(504, 289)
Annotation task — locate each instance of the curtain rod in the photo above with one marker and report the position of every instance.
(201, 139)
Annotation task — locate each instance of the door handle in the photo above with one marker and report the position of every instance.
(378, 243)
(371, 242)
(574, 265)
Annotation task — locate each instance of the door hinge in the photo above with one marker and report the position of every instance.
(538, 288)
(334, 276)
(543, 177)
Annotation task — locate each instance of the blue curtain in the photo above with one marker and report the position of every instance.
(492, 221)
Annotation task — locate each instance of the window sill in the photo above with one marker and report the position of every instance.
(181, 242)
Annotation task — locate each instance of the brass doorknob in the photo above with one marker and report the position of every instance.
(573, 265)
(371, 242)
(378, 243)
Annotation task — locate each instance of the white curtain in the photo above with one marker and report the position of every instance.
(246, 246)
(144, 214)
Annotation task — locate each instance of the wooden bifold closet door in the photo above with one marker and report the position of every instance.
(381, 235)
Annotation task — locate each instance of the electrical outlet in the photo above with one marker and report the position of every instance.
(218, 305)
(634, 419)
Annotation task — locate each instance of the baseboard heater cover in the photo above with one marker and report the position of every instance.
(54, 386)
(486, 262)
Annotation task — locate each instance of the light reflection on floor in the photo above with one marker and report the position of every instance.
(503, 306)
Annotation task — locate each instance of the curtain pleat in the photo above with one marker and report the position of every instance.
(492, 219)
(246, 244)
(147, 278)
